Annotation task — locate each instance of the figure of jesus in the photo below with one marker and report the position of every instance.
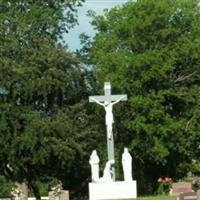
(109, 114)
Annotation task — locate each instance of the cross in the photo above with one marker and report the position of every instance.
(107, 101)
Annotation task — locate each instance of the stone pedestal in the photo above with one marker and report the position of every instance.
(113, 190)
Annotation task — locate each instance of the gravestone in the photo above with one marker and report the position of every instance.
(64, 195)
(51, 195)
(198, 194)
(181, 187)
(188, 196)
(20, 191)
(106, 187)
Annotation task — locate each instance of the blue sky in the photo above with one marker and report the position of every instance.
(72, 38)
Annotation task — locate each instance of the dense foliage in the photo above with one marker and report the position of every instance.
(149, 49)
(6, 186)
(44, 118)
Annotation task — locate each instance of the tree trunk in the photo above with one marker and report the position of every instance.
(33, 187)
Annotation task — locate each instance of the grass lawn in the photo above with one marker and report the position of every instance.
(149, 198)
(157, 198)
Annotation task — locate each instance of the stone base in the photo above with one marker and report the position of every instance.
(113, 190)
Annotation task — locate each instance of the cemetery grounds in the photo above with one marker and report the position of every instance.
(157, 198)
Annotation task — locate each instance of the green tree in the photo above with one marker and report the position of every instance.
(149, 49)
(6, 186)
(44, 117)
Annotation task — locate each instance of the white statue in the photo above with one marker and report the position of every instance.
(94, 162)
(127, 165)
(107, 173)
(109, 114)
(107, 101)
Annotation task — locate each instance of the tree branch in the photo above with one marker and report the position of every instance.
(182, 78)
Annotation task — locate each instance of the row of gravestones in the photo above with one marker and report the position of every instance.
(183, 191)
(64, 195)
(20, 192)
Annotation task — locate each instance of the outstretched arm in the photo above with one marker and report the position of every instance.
(97, 101)
(118, 100)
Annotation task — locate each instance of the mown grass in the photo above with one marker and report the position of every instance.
(157, 198)
(143, 198)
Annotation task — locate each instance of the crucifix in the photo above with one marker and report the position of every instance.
(107, 101)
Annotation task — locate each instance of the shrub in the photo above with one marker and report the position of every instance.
(5, 186)
(196, 185)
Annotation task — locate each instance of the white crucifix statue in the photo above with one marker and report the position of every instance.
(107, 101)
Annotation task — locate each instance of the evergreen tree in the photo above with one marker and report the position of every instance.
(44, 117)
